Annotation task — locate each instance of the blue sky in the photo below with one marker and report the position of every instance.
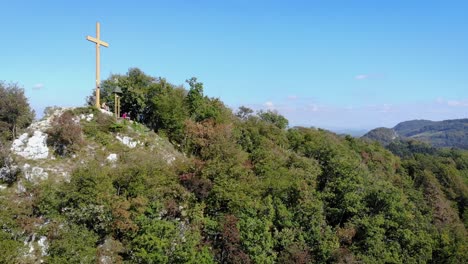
(332, 64)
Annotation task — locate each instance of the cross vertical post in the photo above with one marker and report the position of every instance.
(98, 66)
(99, 43)
(116, 105)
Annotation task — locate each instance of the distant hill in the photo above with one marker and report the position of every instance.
(351, 132)
(447, 133)
(408, 127)
(382, 134)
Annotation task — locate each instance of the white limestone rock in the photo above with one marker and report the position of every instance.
(20, 187)
(112, 158)
(35, 246)
(34, 174)
(29, 242)
(128, 141)
(87, 117)
(109, 113)
(34, 147)
(43, 245)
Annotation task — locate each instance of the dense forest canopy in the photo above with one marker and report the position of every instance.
(249, 190)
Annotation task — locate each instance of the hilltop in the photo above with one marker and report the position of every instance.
(106, 140)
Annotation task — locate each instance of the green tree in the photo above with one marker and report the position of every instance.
(244, 112)
(135, 85)
(15, 112)
(201, 107)
(274, 118)
(163, 241)
(166, 110)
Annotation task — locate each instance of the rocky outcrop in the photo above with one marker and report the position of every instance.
(36, 245)
(128, 141)
(31, 147)
(34, 174)
(88, 117)
(112, 157)
(34, 163)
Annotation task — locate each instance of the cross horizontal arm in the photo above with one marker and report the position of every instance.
(97, 41)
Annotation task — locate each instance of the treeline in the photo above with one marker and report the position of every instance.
(251, 190)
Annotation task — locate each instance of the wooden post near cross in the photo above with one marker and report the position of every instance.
(99, 43)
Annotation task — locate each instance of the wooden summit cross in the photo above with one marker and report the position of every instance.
(99, 43)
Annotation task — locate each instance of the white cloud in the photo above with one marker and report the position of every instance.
(38, 86)
(372, 76)
(292, 97)
(362, 77)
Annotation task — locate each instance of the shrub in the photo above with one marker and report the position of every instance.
(85, 110)
(65, 135)
(116, 127)
(102, 138)
(8, 171)
(102, 123)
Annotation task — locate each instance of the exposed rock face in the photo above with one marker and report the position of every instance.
(37, 248)
(33, 174)
(112, 157)
(128, 141)
(34, 147)
(43, 245)
(87, 117)
(109, 113)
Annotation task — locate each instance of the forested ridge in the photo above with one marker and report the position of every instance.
(249, 189)
(447, 133)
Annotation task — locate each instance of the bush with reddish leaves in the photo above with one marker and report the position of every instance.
(230, 244)
(194, 183)
(65, 135)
